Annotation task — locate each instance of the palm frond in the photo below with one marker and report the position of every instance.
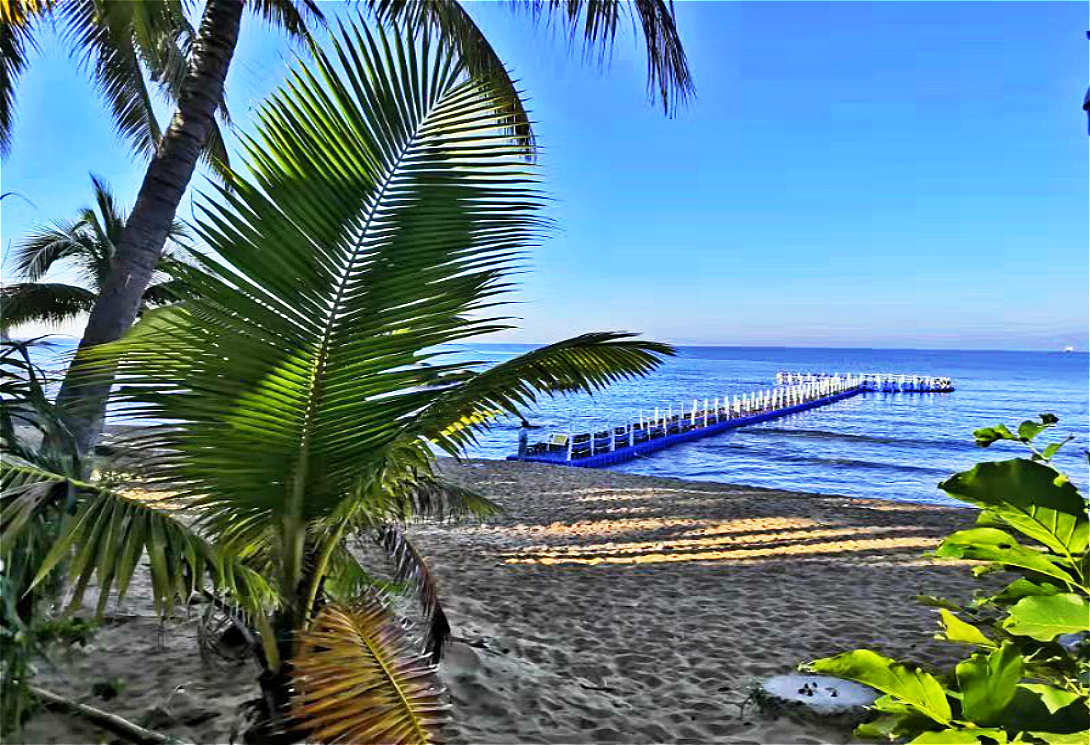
(42, 302)
(110, 211)
(359, 679)
(450, 20)
(406, 487)
(36, 254)
(30, 426)
(294, 16)
(383, 204)
(18, 21)
(587, 362)
(668, 76)
(425, 496)
(88, 240)
(163, 293)
(112, 531)
(110, 39)
(411, 568)
(348, 579)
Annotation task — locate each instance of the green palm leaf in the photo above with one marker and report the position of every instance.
(595, 22)
(587, 362)
(35, 255)
(42, 302)
(18, 21)
(412, 569)
(115, 40)
(88, 244)
(359, 679)
(109, 535)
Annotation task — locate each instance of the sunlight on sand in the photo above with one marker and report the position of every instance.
(740, 555)
(696, 539)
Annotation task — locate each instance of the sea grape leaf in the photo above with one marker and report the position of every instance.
(956, 630)
(1029, 429)
(1053, 698)
(988, 682)
(1054, 448)
(961, 737)
(903, 722)
(1049, 418)
(1027, 496)
(1069, 738)
(886, 727)
(1045, 617)
(1028, 711)
(992, 544)
(913, 686)
(985, 436)
(1021, 588)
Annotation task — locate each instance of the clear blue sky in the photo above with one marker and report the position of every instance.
(850, 174)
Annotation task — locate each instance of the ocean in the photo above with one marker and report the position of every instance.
(895, 446)
(890, 446)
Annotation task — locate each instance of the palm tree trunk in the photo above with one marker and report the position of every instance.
(145, 233)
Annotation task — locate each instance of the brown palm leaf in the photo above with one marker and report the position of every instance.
(359, 678)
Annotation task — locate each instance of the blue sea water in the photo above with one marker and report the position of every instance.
(890, 446)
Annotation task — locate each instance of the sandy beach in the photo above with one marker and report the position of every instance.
(600, 608)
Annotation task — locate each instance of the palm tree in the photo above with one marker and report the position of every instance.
(200, 92)
(123, 45)
(384, 207)
(88, 243)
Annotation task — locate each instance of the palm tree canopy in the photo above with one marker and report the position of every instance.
(86, 244)
(594, 21)
(124, 46)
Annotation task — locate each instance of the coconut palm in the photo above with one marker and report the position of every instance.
(384, 205)
(124, 46)
(200, 90)
(86, 244)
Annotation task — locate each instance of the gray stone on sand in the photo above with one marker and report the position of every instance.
(819, 696)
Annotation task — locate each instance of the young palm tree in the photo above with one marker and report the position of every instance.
(384, 206)
(88, 244)
(200, 91)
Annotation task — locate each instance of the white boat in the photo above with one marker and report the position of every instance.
(1069, 348)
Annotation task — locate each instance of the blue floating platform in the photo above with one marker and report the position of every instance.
(864, 384)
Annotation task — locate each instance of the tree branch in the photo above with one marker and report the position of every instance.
(110, 722)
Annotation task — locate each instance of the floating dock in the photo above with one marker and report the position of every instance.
(794, 392)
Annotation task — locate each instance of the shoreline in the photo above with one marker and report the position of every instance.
(601, 607)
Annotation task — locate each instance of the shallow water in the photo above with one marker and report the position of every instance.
(890, 446)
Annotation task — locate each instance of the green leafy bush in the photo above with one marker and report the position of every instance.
(1027, 675)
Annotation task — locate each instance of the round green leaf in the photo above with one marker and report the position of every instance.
(1046, 617)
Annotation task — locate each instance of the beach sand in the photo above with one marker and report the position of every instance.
(601, 608)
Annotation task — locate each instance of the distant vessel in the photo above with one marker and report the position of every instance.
(1069, 348)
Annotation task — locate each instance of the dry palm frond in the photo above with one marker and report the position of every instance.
(360, 679)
